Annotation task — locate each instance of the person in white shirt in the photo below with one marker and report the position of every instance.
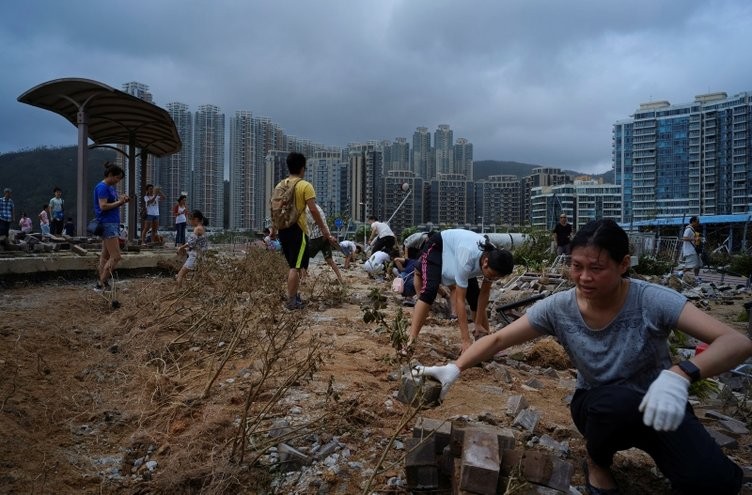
(383, 235)
(376, 264)
(691, 238)
(455, 258)
(349, 250)
(151, 200)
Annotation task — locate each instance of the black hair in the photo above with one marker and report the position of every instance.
(371, 217)
(182, 196)
(603, 234)
(110, 169)
(267, 231)
(693, 219)
(149, 185)
(295, 162)
(70, 219)
(46, 205)
(56, 189)
(200, 216)
(499, 260)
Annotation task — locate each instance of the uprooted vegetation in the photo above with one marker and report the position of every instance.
(188, 344)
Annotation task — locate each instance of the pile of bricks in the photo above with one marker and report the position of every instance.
(467, 457)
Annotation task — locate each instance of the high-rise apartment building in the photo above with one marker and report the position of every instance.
(209, 163)
(582, 201)
(251, 140)
(399, 156)
(687, 159)
(621, 157)
(141, 91)
(443, 145)
(403, 198)
(175, 170)
(452, 200)
(329, 176)
(244, 184)
(366, 180)
(539, 177)
(463, 158)
(422, 160)
(498, 200)
(276, 170)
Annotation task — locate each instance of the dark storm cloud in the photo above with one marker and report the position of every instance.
(536, 81)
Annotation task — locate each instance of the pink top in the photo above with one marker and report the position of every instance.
(44, 219)
(25, 224)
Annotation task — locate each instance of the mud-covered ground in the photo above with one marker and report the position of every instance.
(150, 397)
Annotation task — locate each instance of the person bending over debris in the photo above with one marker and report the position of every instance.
(195, 246)
(457, 257)
(349, 251)
(317, 242)
(628, 394)
(375, 266)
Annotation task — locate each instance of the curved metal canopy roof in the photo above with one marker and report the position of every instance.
(114, 117)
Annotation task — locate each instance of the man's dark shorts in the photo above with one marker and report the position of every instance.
(319, 244)
(294, 246)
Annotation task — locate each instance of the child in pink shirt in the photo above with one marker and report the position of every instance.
(44, 219)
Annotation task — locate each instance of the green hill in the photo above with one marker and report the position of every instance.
(32, 174)
(484, 168)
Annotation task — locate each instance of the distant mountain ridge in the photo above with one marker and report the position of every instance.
(483, 169)
(32, 174)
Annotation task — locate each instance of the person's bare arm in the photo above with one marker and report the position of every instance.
(481, 316)
(311, 203)
(727, 346)
(458, 300)
(104, 205)
(517, 332)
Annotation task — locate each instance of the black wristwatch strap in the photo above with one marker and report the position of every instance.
(692, 371)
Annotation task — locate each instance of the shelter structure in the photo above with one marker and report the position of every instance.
(107, 117)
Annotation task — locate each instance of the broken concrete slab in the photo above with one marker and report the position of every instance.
(733, 427)
(560, 448)
(527, 419)
(721, 439)
(291, 458)
(515, 404)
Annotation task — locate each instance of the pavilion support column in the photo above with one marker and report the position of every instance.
(82, 121)
(134, 202)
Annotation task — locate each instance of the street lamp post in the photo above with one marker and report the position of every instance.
(482, 227)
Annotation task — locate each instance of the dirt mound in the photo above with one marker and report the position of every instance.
(547, 353)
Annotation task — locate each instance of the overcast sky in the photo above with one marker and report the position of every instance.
(526, 80)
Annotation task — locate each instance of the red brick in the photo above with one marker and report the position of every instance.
(480, 462)
(440, 430)
(538, 467)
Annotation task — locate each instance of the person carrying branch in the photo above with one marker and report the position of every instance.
(629, 393)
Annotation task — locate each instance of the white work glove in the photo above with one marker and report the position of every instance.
(665, 402)
(446, 374)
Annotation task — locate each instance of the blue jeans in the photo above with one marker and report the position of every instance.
(180, 233)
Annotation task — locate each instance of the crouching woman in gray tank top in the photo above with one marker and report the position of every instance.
(628, 394)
